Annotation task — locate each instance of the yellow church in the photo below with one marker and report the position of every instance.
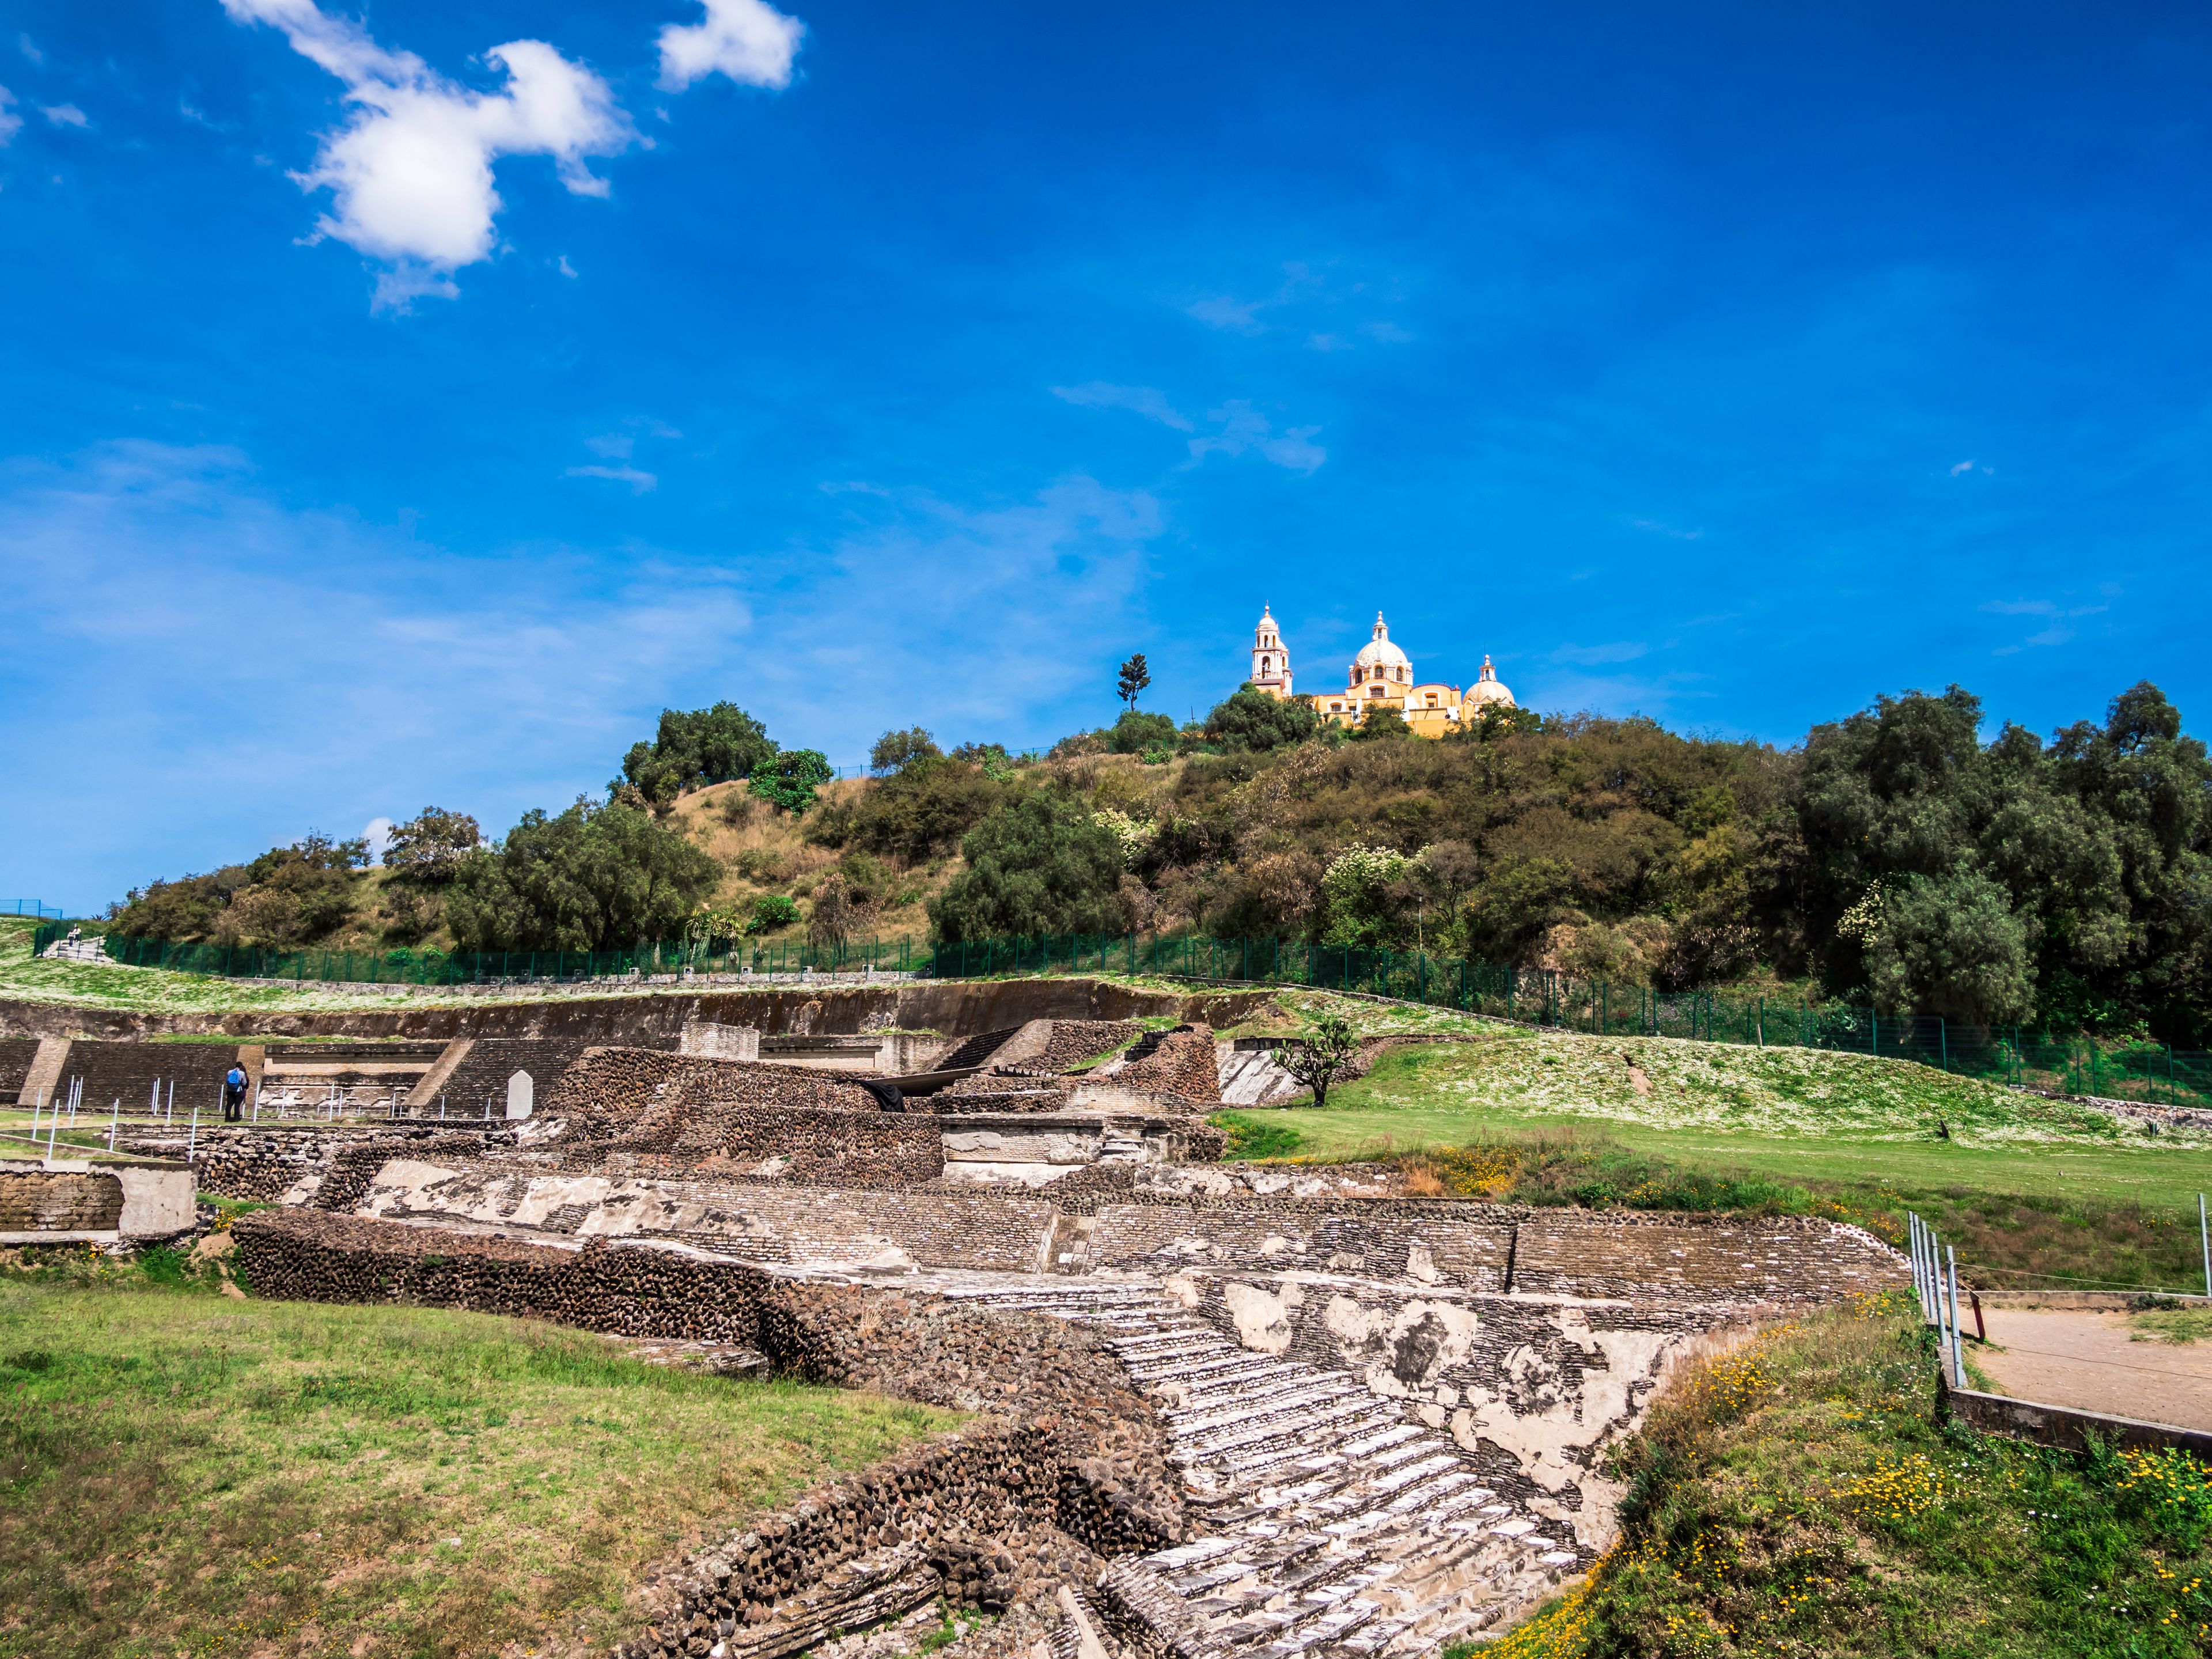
(1381, 677)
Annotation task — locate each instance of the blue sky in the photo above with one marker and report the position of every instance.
(403, 407)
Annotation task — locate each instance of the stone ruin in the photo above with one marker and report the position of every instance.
(1221, 1410)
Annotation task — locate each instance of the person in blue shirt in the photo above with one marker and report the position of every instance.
(233, 1094)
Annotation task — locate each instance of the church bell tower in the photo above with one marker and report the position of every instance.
(1270, 660)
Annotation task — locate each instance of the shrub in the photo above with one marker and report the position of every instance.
(773, 911)
(1251, 719)
(787, 780)
(1038, 866)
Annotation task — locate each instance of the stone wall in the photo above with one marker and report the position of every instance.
(863, 1549)
(37, 1202)
(1441, 1242)
(656, 1019)
(848, 1228)
(17, 1054)
(1536, 1392)
(1678, 1260)
(1184, 1063)
(128, 1071)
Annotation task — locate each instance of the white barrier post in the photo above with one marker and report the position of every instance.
(114, 1121)
(169, 1114)
(193, 1139)
(1958, 1345)
(2205, 1242)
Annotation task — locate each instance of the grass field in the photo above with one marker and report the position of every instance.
(182, 1472)
(2033, 1190)
(1800, 1497)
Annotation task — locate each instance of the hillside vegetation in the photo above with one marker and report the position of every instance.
(1893, 856)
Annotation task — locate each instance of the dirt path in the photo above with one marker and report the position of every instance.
(2085, 1360)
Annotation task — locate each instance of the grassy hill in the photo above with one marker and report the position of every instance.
(2035, 1191)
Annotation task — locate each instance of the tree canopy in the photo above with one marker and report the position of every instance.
(593, 878)
(1249, 719)
(692, 750)
(1040, 865)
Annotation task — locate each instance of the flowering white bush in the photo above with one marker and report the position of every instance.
(1132, 834)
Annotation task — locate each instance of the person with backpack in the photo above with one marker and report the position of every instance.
(233, 1094)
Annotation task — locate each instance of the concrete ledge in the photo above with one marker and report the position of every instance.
(2065, 1427)
(2083, 1301)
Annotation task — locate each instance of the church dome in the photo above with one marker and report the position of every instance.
(1379, 653)
(1488, 689)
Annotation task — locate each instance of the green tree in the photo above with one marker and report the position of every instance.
(1134, 677)
(1040, 865)
(1951, 945)
(1521, 898)
(692, 750)
(1380, 725)
(595, 878)
(1135, 733)
(896, 751)
(1249, 719)
(429, 846)
(1324, 1052)
(789, 780)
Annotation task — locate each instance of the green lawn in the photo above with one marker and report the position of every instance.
(2035, 1191)
(182, 1472)
(1801, 1496)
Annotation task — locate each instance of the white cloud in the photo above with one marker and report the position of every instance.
(64, 115)
(638, 480)
(29, 49)
(1594, 656)
(502, 679)
(10, 123)
(1148, 401)
(411, 173)
(1666, 530)
(748, 40)
(1221, 312)
(565, 267)
(377, 832)
(1244, 429)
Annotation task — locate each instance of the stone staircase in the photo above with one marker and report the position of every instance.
(1331, 1523)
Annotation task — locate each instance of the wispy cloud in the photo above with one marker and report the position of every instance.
(1238, 428)
(10, 123)
(1219, 311)
(2057, 615)
(127, 561)
(638, 480)
(1148, 401)
(64, 115)
(1592, 656)
(25, 45)
(1666, 530)
(1243, 428)
(1970, 465)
